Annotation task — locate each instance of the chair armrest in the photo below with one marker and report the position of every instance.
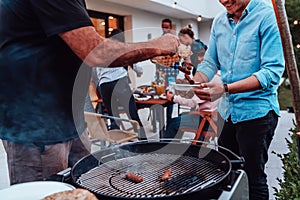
(133, 122)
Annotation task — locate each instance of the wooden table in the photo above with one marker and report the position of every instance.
(156, 107)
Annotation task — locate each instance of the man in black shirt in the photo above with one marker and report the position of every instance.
(46, 47)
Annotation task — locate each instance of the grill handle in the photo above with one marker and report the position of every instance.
(236, 161)
(62, 176)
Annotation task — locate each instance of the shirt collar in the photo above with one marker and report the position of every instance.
(251, 5)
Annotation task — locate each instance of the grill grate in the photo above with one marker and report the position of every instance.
(188, 174)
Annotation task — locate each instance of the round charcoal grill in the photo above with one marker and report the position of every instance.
(195, 170)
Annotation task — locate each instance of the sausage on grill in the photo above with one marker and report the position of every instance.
(166, 175)
(135, 178)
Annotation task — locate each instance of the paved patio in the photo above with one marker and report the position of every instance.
(274, 165)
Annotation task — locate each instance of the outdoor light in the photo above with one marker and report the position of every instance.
(199, 18)
(296, 22)
(298, 46)
(174, 4)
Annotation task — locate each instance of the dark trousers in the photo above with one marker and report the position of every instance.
(251, 140)
(118, 94)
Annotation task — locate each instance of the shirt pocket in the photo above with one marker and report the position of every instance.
(248, 47)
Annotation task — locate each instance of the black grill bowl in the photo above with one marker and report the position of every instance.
(197, 172)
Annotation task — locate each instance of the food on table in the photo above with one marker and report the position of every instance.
(163, 96)
(160, 89)
(133, 177)
(80, 194)
(142, 96)
(166, 175)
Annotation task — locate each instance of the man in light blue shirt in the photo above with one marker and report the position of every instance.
(245, 46)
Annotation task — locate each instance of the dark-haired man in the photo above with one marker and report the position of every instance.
(245, 45)
(46, 48)
(166, 25)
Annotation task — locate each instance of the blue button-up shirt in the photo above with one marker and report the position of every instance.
(239, 50)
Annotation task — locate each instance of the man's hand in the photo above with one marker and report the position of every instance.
(199, 77)
(210, 91)
(168, 44)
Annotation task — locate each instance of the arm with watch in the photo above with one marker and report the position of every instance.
(213, 90)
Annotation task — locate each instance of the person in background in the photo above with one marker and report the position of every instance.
(113, 87)
(47, 48)
(169, 74)
(186, 120)
(186, 37)
(134, 71)
(166, 26)
(138, 69)
(245, 45)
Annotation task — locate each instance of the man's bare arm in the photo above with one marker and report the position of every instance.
(97, 51)
(248, 84)
(82, 40)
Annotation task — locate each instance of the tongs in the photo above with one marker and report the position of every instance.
(186, 68)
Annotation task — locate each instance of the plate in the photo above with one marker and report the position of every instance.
(143, 98)
(36, 190)
(163, 96)
(185, 87)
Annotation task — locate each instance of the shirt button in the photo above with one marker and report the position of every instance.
(231, 54)
(229, 72)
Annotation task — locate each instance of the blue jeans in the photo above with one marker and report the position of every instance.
(251, 140)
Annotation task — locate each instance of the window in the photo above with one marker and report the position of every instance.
(104, 22)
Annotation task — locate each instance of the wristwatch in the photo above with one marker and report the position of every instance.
(226, 88)
(226, 91)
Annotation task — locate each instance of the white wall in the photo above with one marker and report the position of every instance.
(145, 24)
(206, 8)
(204, 31)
